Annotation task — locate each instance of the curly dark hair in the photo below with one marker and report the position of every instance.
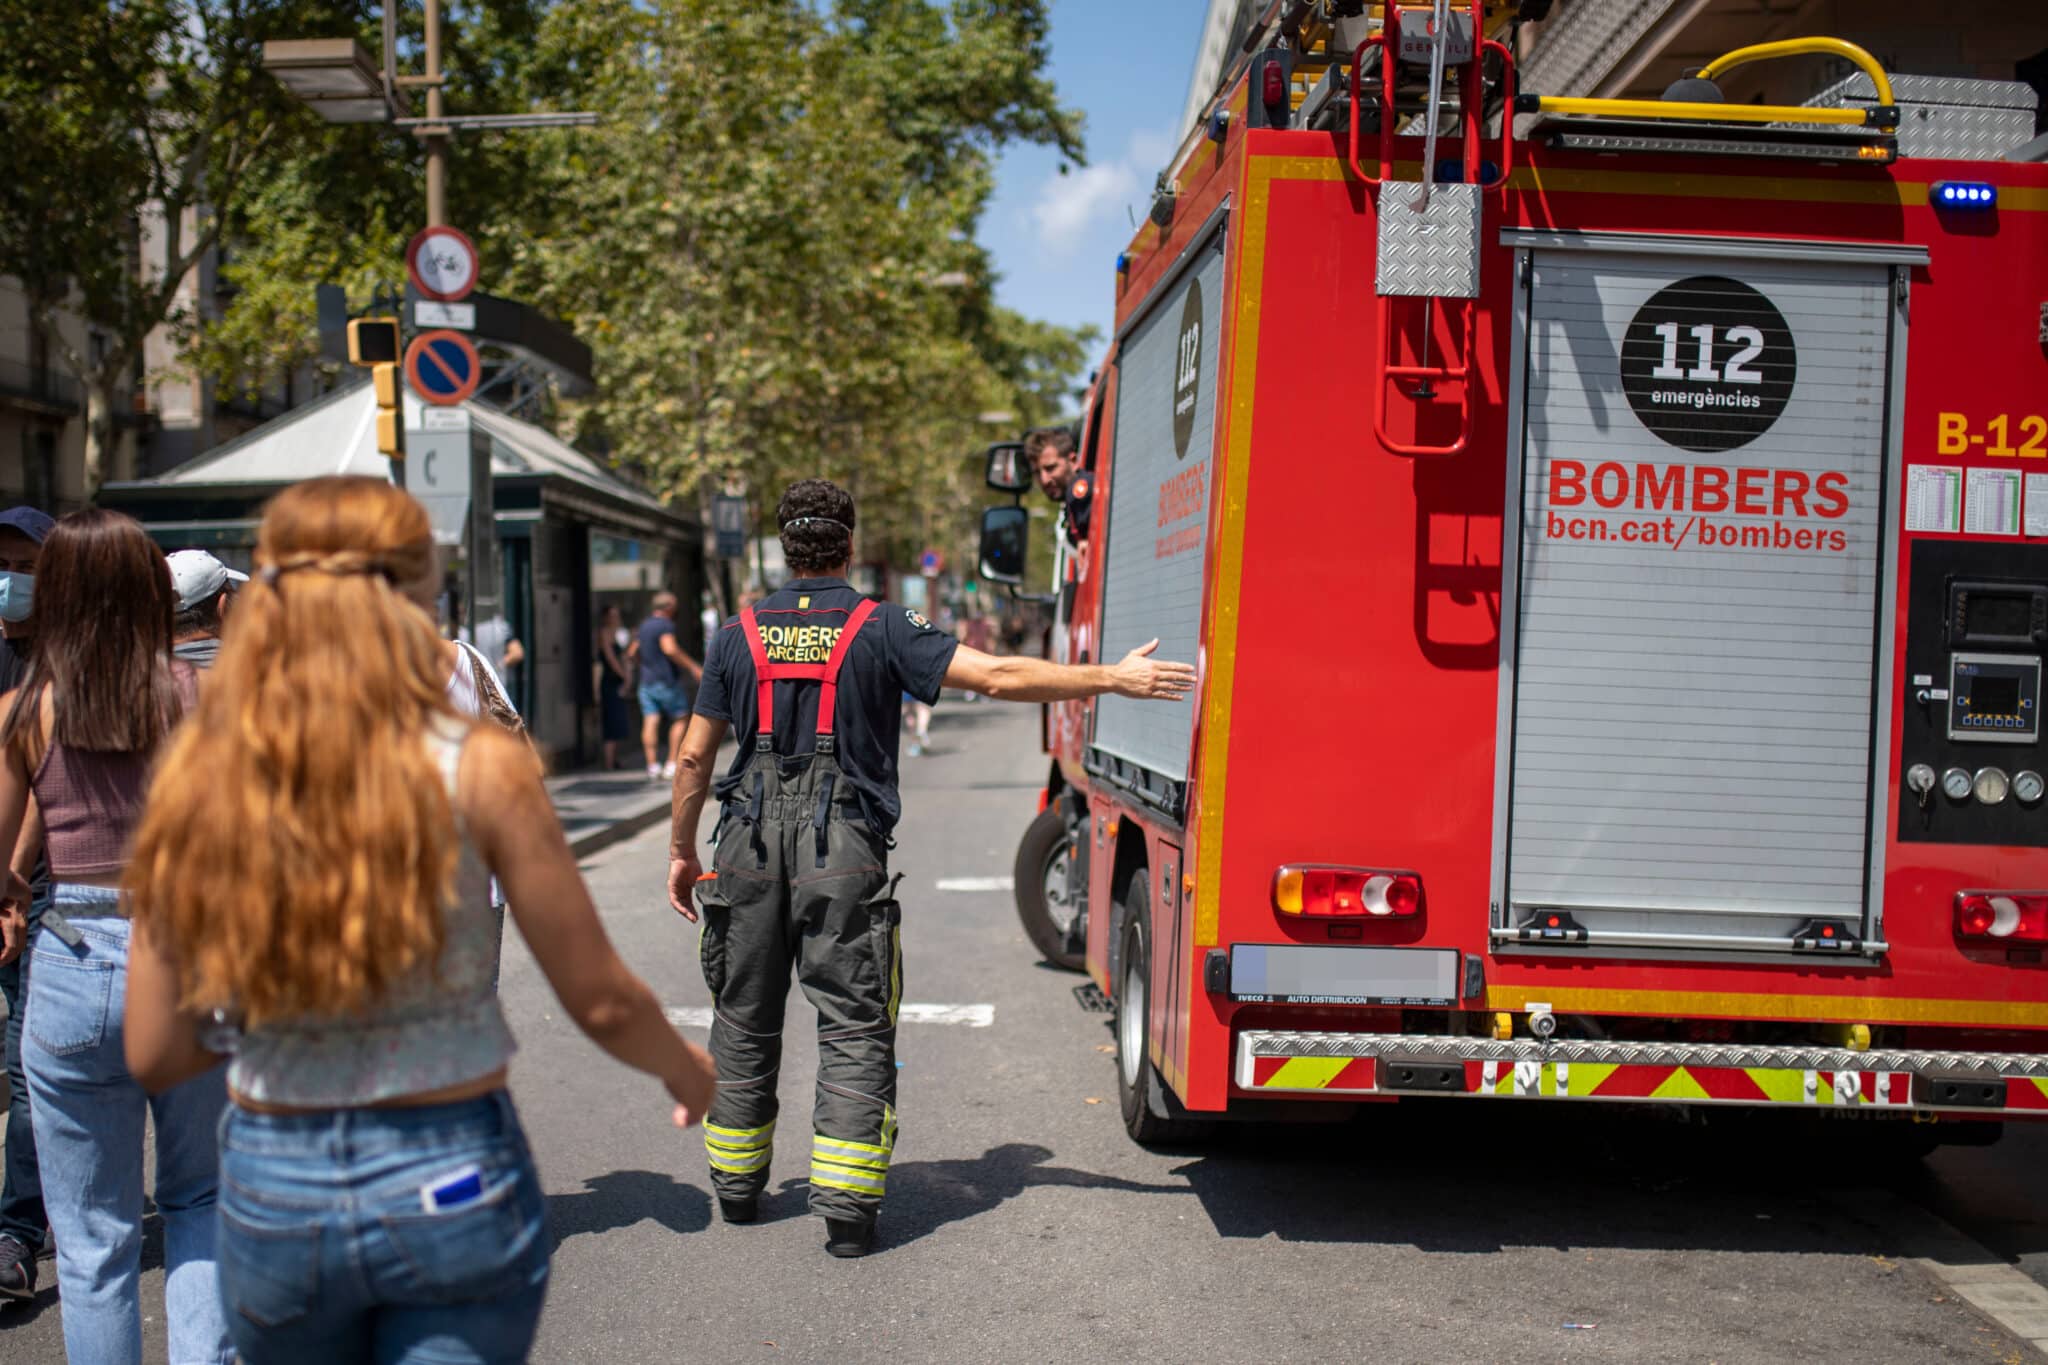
(823, 538)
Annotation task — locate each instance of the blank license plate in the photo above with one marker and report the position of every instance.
(1293, 974)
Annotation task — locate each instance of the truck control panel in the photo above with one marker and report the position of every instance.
(1976, 633)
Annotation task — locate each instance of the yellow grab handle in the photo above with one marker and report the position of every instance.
(1796, 47)
(1718, 113)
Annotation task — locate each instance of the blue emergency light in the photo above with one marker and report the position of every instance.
(1964, 194)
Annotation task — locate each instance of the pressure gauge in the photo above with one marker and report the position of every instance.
(1955, 784)
(1991, 785)
(2028, 787)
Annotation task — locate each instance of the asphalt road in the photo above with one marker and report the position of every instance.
(1022, 1225)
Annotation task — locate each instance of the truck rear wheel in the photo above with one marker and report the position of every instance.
(1140, 1093)
(1046, 904)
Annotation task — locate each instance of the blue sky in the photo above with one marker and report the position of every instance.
(1055, 238)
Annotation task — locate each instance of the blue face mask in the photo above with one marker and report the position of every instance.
(17, 595)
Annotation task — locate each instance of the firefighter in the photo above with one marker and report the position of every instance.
(1054, 461)
(1056, 464)
(810, 681)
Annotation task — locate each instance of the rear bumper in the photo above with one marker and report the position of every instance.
(1979, 1083)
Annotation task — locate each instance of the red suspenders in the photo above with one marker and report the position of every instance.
(766, 675)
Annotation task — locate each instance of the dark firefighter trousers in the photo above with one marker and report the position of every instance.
(802, 881)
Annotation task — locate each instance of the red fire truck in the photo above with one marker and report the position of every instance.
(1613, 536)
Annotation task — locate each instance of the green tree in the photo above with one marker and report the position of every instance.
(123, 121)
(769, 242)
(339, 206)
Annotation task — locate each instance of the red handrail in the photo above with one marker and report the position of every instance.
(1472, 111)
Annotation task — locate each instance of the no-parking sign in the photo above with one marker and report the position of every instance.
(442, 367)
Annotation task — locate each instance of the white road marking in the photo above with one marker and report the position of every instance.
(977, 883)
(973, 1016)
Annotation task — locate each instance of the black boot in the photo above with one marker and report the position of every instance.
(17, 1270)
(739, 1210)
(847, 1239)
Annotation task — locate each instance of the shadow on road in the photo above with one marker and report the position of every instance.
(1445, 1178)
(623, 1198)
(925, 1196)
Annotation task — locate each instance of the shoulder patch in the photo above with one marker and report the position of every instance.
(916, 620)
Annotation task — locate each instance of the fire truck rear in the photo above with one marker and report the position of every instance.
(1614, 539)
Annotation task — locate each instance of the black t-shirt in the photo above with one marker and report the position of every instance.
(13, 671)
(897, 651)
(13, 666)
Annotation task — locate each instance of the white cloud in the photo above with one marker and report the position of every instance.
(1069, 206)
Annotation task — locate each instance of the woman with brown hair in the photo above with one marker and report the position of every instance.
(311, 891)
(101, 697)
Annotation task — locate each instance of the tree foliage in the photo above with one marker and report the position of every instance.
(768, 241)
(122, 121)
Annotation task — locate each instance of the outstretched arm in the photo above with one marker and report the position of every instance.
(1014, 678)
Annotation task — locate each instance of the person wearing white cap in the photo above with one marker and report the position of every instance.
(203, 586)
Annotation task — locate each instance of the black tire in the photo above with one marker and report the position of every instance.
(1041, 875)
(1140, 1093)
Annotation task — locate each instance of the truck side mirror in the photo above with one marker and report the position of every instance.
(1005, 531)
(1008, 472)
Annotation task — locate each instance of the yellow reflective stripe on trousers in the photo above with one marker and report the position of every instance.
(846, 1178)
(738, 1165)
(738, 1137)
(835, 1149)
(738, 1150)
(895, 972)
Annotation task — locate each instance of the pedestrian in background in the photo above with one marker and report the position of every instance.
(102, 696)
(917, 714)
(614, 683)
(204, 588)
(664, 691)
(23, 1224)
(313, 869)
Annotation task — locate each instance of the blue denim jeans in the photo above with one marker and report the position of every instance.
(89, 1114)
(332, 1250)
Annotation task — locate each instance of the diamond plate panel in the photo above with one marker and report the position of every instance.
(1448, 1049)
(1430, 252)
(1585, 42)
(1947, 116)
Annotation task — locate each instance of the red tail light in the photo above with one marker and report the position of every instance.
(1325, 892)
(1274, 86)
(2002, 915)
(1044, 799)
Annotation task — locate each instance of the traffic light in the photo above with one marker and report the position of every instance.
(373, 341)
(390, 418)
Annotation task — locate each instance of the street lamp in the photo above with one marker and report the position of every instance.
(335, 77)
(340, 81)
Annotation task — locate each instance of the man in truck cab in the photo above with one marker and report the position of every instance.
(1054, 460)
(810, 681)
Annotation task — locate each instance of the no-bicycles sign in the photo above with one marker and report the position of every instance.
(441, 262)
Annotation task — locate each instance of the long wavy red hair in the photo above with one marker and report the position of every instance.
(299, 844)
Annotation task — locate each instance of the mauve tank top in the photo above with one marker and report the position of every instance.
(91, 801)
(91, 804)
(429, 1032)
